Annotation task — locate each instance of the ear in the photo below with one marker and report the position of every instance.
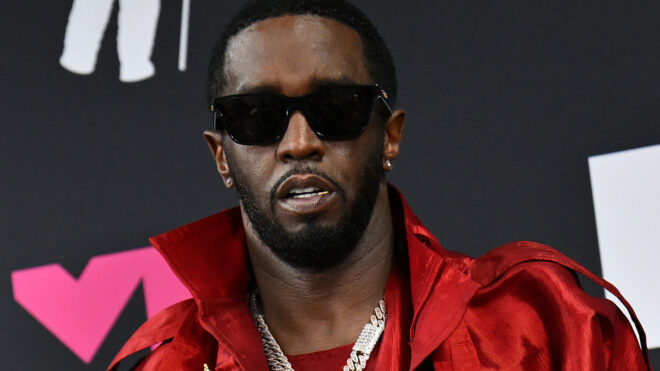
(214, 141)
(393, 135)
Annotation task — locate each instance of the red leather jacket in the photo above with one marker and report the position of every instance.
(519, 307)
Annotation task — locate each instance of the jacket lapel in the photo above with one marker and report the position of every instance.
(440, 289)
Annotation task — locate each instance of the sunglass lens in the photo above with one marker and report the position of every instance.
(253, 119)
(340, 113)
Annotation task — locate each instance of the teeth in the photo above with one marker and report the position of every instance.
(305, 195)
(308, 195)
(303, 190)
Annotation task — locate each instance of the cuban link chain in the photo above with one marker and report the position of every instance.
(362, 348)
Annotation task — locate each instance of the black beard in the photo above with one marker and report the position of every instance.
(316, 247)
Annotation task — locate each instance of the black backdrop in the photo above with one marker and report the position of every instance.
(506, 101)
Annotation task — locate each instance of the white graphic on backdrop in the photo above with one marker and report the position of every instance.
(136, 31)
(626, 194)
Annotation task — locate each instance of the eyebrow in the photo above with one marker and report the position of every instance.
(275, 89)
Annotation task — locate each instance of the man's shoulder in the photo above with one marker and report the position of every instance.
(524, 274)
(519, 255)
(531, 274)
(500, 262)
(529, 309)
(530, 279)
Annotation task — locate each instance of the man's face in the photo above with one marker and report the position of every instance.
(308, 200)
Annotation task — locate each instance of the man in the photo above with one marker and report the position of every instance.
(324, 265)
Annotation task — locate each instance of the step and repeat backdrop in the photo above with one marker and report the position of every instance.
(536, 122)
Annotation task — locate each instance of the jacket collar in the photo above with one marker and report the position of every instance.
(210, 259)
(208, 256)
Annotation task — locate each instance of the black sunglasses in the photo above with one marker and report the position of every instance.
(333, 113)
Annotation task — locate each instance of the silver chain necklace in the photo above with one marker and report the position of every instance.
(362, 348)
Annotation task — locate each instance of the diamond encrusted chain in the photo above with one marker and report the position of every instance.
(362, 348)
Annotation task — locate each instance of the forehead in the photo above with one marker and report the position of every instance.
(292, 54)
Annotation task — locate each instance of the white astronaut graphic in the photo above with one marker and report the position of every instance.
(137, 24)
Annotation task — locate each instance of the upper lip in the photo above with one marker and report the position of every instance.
(303, 181)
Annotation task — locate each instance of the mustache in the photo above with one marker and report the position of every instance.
(305, 170)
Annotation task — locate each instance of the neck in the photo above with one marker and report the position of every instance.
(307, 310)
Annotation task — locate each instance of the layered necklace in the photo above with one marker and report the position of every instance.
(362, 348)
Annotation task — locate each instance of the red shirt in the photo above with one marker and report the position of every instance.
(331, 359)
(519, 307)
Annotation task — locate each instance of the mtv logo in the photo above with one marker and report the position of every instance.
(626, 193)
(81, 311)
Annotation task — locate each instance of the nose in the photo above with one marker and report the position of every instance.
(299, 141)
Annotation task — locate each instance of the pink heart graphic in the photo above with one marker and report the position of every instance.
(81, 312)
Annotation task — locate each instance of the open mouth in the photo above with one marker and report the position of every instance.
(300, 186)
(306, 194)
